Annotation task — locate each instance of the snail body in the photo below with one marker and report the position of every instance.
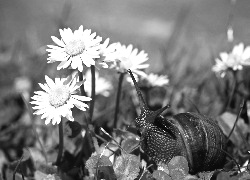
(192, 135)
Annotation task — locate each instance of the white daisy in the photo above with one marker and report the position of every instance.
(220, 67)
(75, 48)
(107, 54)
(234, 60)
(129, 58)
(156, 80)
(108, 51)
(102, 87)
(57, 99)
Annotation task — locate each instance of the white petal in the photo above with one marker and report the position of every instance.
(45, 87)
(41, 93)
(74, 63)
(224, 56)
(238, 49)
(105, 44)
(64, 64)
(50, 82)
(56, 119)
(47, 121)
(81, 98)
(57, 41)
(69, 116)
(246, 54)
(79, 104)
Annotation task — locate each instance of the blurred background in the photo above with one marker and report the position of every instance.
(146, 24)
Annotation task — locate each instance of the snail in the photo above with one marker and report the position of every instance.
(195, 136)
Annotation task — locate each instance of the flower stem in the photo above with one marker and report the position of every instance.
(88, 133)
(235, 83)
(92, 103)
(60, 152)
(118, 99)
(83, 93)
(237, 118)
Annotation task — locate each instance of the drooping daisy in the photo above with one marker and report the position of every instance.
(75, 48)
(234, 60)
(57, 99)
(153, 80)
(129, 58)
(102, 86)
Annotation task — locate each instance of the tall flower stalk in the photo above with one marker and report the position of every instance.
(82, 90)
(61, 144)
(118, 97)
(234, 85)
(92, 103)
(56, 101)
(127, 58)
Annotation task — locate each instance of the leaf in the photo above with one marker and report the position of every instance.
(192, 177)
(178, 167)
(161, 175)
(107, 172)
(130, 144)
(39, 175)
(36, 155)
(127, 167)
(244, 176)
(26, 154)
(146, 176)
(163, 167)
(104, 165)
(24, 165)
(9, 175)
(126, 134)
(97, 161)
(72, 128)
(225, 176)
(46, 168)
(229, 165)
(206, 175)
(226, 122)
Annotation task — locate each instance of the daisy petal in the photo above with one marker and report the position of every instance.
(57, 41)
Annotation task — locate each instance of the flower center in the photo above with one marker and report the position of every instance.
(75, 47)
(59, 96)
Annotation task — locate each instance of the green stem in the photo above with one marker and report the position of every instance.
(83, 93)
(118, 99)
(60, 152)
(237, 118)
(235, 83)
(92, 103)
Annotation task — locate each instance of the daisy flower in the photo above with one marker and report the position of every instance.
(75, 48)
(129, 58)
(57, 99)
(102, 87)
(220, 67)
(234, 60)
(107, 53)
(156, 80)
